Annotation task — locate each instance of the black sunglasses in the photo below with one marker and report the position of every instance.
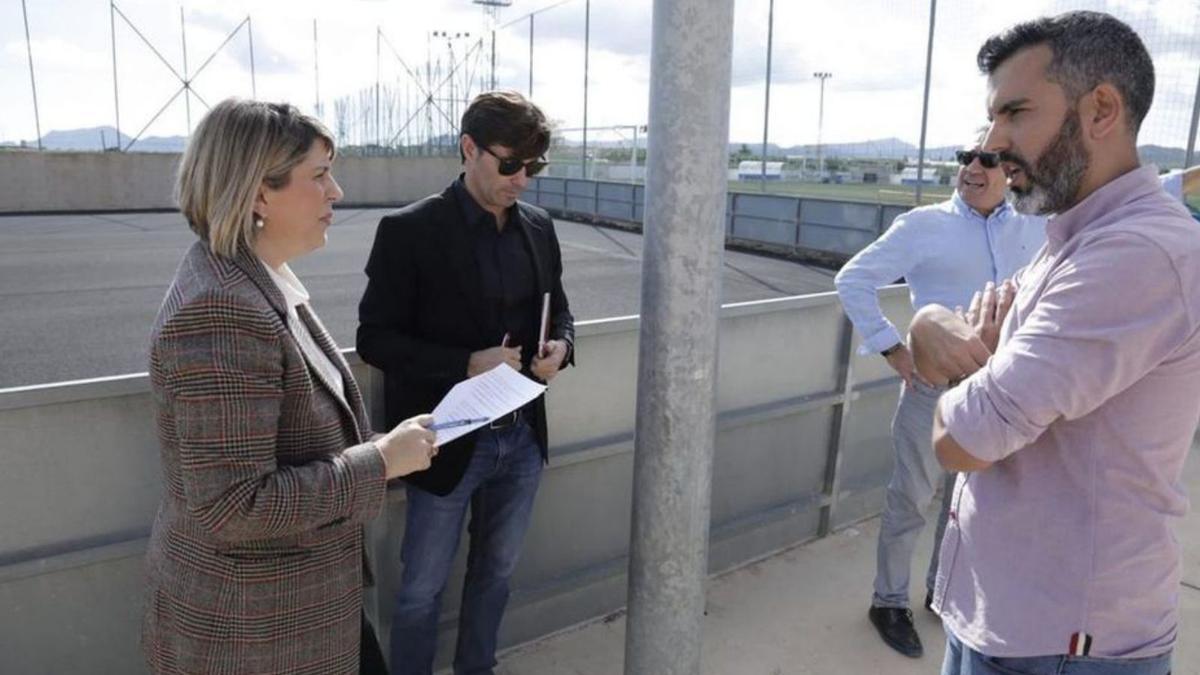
(509, 166)
(989, 160)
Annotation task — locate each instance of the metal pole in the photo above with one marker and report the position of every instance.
(428, 96)
(840, 428)
(377, 76)
(925, 106)
(587, 34)
(316, 73)
(687, 179)
(1191, 146)
(767, 103)
(453, 103)
(187, 84)
(253, 78)
(33, 83)
(531, 56)
(821, 123)
(633, 157)
(493, 59)
(112, 24)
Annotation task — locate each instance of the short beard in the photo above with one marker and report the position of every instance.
(1052, 187)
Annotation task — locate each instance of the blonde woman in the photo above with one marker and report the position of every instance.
(255, 563)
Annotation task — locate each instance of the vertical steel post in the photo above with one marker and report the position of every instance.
(493, 87)
(832, 484)
(37, 116)
(687, 180)
(253, 77)
(1191, 146)
(925, 106)
(587, 34)
(767, 103)
(531, 56)
(821, 123)
(112, 24)
(378, 109)
(633, 162)
(187, 83)
(316, 74)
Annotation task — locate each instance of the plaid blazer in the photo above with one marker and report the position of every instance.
(255, 561)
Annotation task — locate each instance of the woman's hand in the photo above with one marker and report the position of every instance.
(409, 447)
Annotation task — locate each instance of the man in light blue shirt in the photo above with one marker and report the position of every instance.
(945, 252)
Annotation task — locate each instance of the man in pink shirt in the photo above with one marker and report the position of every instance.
(1082, 378)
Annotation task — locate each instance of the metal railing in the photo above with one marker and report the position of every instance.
(796, 226)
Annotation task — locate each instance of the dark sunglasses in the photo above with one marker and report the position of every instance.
(511, 165)
(989, 160)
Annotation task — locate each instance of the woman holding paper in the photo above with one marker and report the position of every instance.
(255, 561)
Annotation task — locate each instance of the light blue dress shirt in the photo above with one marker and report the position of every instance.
(945, 252)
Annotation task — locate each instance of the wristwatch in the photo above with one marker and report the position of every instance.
(891, 350)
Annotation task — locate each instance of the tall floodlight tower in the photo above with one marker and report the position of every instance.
(822, 76)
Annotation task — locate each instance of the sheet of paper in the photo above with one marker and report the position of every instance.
(490, 395)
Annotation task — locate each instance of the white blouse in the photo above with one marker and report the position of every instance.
(295, 294)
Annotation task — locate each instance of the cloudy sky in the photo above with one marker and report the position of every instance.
(874, 48)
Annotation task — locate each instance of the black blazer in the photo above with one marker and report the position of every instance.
(423, 313)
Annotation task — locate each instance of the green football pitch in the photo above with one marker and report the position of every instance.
(861, 192)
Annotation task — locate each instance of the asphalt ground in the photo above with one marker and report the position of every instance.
(78, 293)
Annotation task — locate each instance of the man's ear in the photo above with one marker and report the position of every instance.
(468, 147)
(1102, 112)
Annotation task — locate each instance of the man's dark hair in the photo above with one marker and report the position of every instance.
(1089, 48)
(507, 118)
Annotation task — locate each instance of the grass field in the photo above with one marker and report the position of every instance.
(859, 192)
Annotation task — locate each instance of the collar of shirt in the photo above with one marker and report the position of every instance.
(962, 208)
(294, 292)
(472, 212)
(1122, 190)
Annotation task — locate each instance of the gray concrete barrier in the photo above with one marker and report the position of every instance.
(49, 182)
(802, 449)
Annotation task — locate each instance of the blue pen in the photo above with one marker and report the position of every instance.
(457, 423)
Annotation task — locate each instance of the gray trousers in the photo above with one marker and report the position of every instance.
(915, 477)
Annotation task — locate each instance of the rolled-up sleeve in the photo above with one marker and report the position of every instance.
(1097, 327)
(887, 259)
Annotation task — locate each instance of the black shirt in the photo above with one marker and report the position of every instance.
(507, 271)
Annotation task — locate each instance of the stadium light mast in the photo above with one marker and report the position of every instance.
(822, 76)
(492, 9)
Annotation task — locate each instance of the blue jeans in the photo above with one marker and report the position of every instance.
(962, 660)
(499, 487)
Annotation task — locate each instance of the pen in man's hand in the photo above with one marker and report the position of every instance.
(457, 423)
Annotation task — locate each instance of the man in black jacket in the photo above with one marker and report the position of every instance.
(455, 288)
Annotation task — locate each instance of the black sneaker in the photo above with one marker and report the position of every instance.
(895, 626)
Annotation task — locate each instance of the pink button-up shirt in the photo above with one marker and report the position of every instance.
(1088, 409)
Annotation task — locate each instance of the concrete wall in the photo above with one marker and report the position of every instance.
(802, 448)
(114, 181)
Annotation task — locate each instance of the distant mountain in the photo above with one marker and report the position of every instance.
(100, 138)
(1165, 158)
(94, 138)
(882, 148)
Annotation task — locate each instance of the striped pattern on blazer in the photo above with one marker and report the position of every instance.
(255, 562)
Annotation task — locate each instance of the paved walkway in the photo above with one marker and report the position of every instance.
(804, 611)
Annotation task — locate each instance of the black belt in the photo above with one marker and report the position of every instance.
(506, 421)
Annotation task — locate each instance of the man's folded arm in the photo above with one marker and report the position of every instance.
(1091, 335)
